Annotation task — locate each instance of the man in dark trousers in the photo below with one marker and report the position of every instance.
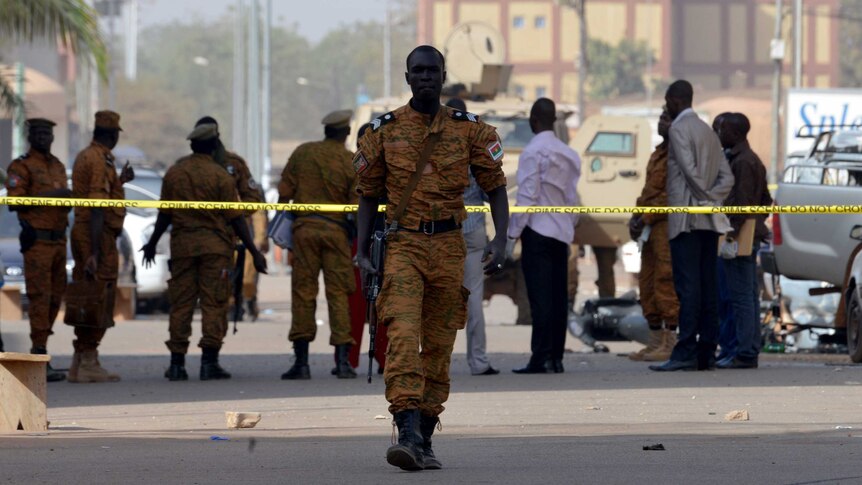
(697, 175)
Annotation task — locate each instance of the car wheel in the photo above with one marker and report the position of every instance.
(854, 326)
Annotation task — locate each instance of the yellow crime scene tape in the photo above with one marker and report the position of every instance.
(249, 206)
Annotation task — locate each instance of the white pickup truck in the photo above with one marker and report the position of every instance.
(821, 246)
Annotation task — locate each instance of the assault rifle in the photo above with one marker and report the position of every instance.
(373, 282)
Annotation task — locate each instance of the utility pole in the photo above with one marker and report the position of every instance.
(112, 38)
(238, 127)
(265, 98)
(797, 43)
(253, 117)
(19, 115)
(581, 63)
(131, 40)
(777, 48)
(387, 54)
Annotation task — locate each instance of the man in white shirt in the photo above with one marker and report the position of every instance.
(548, 173)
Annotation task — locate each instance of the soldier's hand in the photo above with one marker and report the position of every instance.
(149, 251)
(636, 226)
(494, 255)
(365, 266)
(259, 262)
(127, 174)
(264, 246)
(91, 266)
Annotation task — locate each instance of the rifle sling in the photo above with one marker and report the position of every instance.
(433, 138)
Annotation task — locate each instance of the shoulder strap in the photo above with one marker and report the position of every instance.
(433, 138)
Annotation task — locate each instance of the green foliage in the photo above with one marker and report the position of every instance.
(346, 60)
(72, 22)
(850, 47)
(616, 70)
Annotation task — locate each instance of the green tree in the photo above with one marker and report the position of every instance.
(617, 70)
(71, 22)
(850, 38)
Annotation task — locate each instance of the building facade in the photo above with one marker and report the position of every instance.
(716, 44)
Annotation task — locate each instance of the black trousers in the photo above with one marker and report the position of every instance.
(544, 261)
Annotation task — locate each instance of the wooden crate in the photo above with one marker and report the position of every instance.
(23, 392)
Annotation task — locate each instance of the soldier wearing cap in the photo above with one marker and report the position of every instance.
(38, 173)
(320, 172)
(249, 191)
(94, 239)
(201, 251)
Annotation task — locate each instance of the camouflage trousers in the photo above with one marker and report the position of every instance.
(657, 293)
(205, 278)
(423, 305)
(107, 268)
(45, 277)
(321, 247)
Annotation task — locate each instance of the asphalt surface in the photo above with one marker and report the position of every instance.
(587, 425)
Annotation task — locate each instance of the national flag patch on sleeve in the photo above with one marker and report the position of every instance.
(496, 150)
(359, 163)
(13, 181)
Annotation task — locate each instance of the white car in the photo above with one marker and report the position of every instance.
(152, 282)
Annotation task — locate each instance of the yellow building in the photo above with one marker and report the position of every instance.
(716, 44)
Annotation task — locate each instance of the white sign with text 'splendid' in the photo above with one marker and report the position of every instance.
(811, 111)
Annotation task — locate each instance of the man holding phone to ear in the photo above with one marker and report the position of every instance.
(94, 238)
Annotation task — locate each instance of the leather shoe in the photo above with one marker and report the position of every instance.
(490, 371)
(531, 369)
(675, 365)
(737, 363)
(554, 366)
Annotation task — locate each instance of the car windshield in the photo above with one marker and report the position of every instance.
(846, 142)
(150, 183)
(514, 132)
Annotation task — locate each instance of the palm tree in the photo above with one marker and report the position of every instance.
(72, 22)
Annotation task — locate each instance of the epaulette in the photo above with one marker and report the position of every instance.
(376, 123)
(463, 116)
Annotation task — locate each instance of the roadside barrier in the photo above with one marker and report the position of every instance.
(248, 206)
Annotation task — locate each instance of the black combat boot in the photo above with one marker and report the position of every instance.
(342, 367)
(51, 374)
(299, 370)
(209, 366)
(407, 453)
(426, 426)
(177, 370)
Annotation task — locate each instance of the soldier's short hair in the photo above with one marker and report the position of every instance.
(427, 48)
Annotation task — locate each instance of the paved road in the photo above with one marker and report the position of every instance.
(588, 425)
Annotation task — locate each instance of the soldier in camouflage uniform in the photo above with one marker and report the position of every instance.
(38, 173)
(249, 191)
(321, 172)
(422, 302)
(94, 176)
(201, 250)
(657, 293)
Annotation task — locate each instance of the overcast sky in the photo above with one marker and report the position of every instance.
(314, 18)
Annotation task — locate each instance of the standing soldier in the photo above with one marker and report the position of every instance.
(249, 191)
(38, 173)
(429, 148)
(657, 294)
(201, 250)
(321, 172)
(94, 238)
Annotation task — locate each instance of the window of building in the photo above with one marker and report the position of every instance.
(540, 22)
(610, 143)
(519, 90)
(518, 22)
(541, 91)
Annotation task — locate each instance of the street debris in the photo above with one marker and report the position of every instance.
(219, 438)
(592, 408)
(655, 447)
(738, 415)
(380, 416)
(241, 420)
(844, 427)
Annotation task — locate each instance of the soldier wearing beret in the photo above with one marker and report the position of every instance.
(321, 172)
(249, 191)
(422, 301)
(94, 238)
(38, 173)
(201, 251)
